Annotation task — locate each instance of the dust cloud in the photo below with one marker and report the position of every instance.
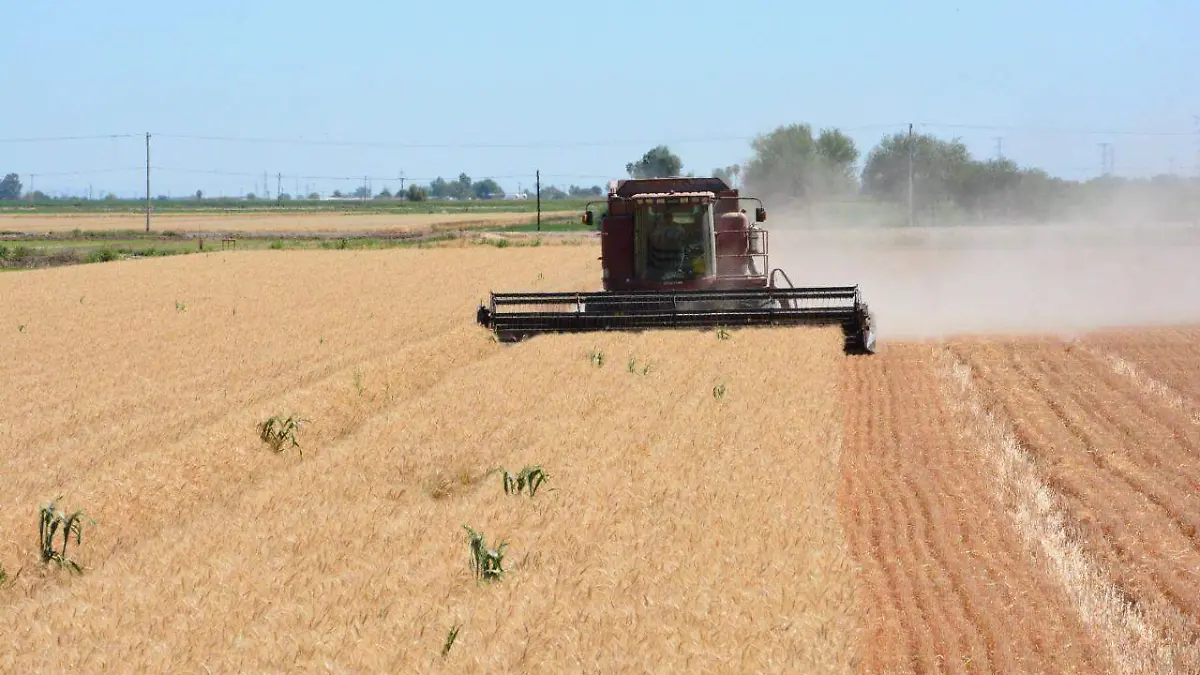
(1057, 279)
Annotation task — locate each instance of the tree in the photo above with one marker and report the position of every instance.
(337, 194)
(487, 189)
(416, 193)
(729, 174)
(790, 162)
(658, 162)
(10, 188)
(579, 191)
(439, 188)
(938, 167)
(551, 192)
(199, 195)
(251, 196)
(384, 194)
(361, 192)
(314, 195)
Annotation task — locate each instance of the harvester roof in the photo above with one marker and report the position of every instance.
(638, 186)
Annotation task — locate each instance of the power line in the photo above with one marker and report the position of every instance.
(1051, 131)
(87, 172)
(52, 139)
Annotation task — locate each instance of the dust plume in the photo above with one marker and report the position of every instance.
(1061, 278)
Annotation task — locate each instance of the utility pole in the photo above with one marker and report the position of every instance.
(279, 187)
(402, 181)
(911, 152)
(999, 147)
(539, 199)
(266, 188)
(147, 181)
(1105, 160)
(31, 177)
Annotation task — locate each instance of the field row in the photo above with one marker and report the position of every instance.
(1027, 505)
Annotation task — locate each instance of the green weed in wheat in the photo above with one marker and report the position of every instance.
(52, 521)
(486, 563)
(529, 479)
(450, 638)
(275, 432)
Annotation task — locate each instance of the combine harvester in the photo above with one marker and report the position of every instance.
(681, 253)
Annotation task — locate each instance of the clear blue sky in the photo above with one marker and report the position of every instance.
(583, 87)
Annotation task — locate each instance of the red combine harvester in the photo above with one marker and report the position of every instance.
(681, 253)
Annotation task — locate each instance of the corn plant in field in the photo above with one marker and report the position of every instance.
(180, 306)
(450, 636)
(276, 432)
(598, 358)
(719, 391)
(632, 366)
(722, 334)
(529, 479)
(486, 563)
(52, 521)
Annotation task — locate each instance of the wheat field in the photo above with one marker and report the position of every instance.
(683, 525)
(741, 501)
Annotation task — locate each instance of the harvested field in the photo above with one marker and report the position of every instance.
(307, 223)
(683, 527)
(948, 584)
(1121, 464)
(1167, 356)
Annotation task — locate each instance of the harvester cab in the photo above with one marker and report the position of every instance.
(681, 253)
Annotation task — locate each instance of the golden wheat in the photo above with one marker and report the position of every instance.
(676, 532)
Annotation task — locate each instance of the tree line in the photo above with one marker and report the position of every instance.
(794, 164)
(462, 188)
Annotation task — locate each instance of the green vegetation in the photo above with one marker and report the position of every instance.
(529, 479)
(450, 637)
(598, 358)
(718, 391)
(275, 432)
(51, 521)
(487, 564)
(557, 200)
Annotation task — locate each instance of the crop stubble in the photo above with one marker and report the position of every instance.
(947, 584)
(1124, 466)
(677, 531)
